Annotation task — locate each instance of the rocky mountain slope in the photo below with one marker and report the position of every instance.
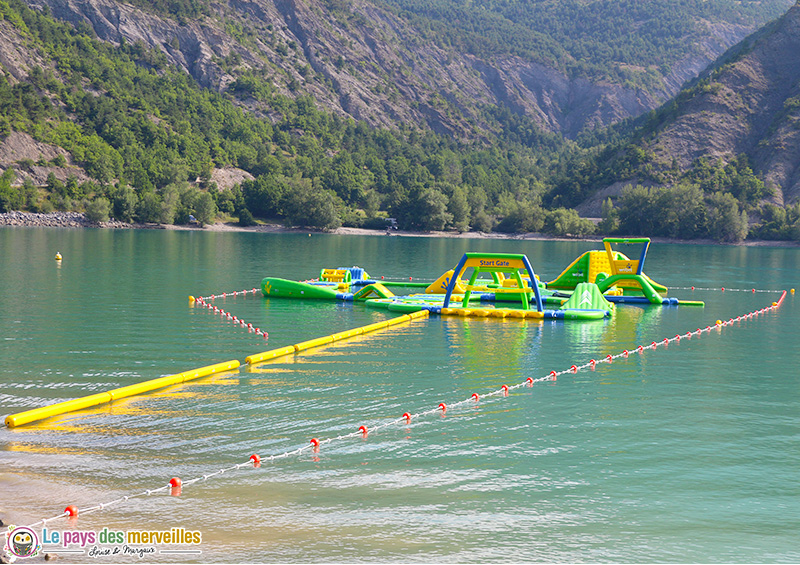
(749, 104)
(361, 60)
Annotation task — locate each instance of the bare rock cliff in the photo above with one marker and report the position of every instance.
(370, 65)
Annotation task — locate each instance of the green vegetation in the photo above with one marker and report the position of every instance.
(150, 138)
(144, 131)
(681, 212)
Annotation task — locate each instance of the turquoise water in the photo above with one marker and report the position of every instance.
(688, 453)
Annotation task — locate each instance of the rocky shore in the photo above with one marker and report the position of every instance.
(55, 220)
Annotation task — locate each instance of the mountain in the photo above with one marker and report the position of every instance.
(485, 115)
(566, 65)
(747, 105)
(743, 109)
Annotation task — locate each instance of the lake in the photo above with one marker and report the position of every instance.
(685, 453)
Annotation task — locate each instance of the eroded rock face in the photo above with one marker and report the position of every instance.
(750, 106)
(374, 67)
(191, 47)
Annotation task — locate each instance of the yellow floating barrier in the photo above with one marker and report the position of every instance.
(267, 355)
(146, 386)
(375, 326)
(28, 416)
(398, 320)
(210, 370)
(348, 334)
(302, 346)
(67, 406)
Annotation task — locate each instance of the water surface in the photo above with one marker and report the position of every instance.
(683, 454)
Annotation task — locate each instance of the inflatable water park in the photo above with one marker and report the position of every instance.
(499, 285)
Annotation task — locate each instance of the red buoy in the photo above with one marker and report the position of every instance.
(175, 482)
(315, 442)
(72, 510)
(529, 380)
(553, 375)
(256, 460)
(407, 416)
(443, 407)
(574, 369)
(504, 388)
(475, 396)
(364, 430)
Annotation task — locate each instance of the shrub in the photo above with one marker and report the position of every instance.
(98, 209)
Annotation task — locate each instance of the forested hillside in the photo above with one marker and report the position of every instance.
(566, 66)
(341, 112)
(140, 129)
(733, 133)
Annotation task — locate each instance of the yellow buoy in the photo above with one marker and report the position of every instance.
(58, 256)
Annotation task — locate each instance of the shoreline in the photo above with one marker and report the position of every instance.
(78, 220)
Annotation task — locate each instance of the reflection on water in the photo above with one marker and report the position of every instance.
(685, 453)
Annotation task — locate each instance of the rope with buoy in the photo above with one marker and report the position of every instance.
(728, 289)
(207, 303)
